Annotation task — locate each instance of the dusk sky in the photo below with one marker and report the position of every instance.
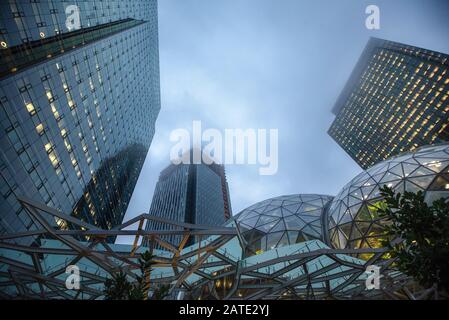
(266, 64)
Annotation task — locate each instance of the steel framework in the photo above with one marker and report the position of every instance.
(208, 269)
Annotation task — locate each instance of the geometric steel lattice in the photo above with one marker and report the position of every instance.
(288, 247)
(213, 268)
(38, 271)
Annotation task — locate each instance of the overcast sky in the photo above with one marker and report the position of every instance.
(272, 64)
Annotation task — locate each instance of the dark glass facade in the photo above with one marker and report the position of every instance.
(192, 193)
(77, 107)
(395, 100)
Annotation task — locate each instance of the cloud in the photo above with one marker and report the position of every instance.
(269, 64)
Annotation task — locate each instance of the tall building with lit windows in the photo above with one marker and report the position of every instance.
(78, 105)
(191, 193)
(395, 100)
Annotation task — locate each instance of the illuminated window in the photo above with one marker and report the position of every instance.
(53, 158)
(61, 223)
(55, 112)
(67, 145)
(30, 108)
(48, 146)
(40, 128)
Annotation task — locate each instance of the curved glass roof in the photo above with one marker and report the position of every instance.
(281, 221)
(353, 215)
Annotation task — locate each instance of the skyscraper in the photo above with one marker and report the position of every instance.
(79, 97)
(395, 100)
(192, 193)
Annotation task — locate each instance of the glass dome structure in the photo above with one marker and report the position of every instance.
(353, 218)
(281, 221)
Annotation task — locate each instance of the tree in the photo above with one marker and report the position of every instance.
(161, 292)
(423, 252)
(120, 288)
(146, 261)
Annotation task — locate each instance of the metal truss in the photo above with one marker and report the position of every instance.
(204, 270)
(258, 282)
(32, 281)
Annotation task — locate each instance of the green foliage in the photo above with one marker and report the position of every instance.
(119, 287)
(423, 252)
(161, 292)
(146, 260)
(136, 292)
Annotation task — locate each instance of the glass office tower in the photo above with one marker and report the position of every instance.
(78, 105)
(192, 193)
(395, 100)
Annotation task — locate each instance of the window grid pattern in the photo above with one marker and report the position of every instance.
(76, 128)
(191, 193)
(398, 103)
